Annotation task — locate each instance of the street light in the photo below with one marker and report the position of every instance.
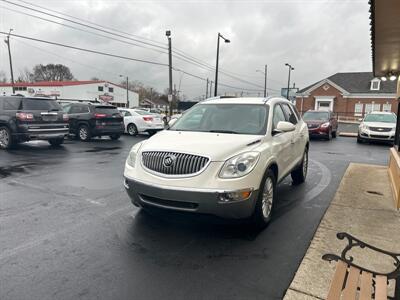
(216, 68)
(265, 80)
(127, 90)
(288, 83)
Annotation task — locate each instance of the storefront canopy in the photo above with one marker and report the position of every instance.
(385, 36)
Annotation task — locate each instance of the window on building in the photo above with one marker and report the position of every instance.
(375, 84)
(358, 109)
(376, 107)
(100, 88)
(110, 90)
(368, 108)
(387, 107)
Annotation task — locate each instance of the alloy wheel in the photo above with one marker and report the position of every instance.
(83, 134)
(4, 138)
(267, 198)
(132, 130)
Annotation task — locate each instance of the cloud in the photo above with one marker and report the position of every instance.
(319, 38)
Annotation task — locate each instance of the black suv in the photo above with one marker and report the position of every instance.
(87, 120)
(23, 119)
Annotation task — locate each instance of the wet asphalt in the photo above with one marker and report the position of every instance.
(69, 231)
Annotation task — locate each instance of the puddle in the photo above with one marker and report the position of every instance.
(15, 169)
(100, 149)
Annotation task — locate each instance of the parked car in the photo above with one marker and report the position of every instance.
(87, 120)
(321, 123)
(377, 126)
(24, 119)
(223, 157)
(139, 121)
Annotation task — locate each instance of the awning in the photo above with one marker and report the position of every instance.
(385, 36)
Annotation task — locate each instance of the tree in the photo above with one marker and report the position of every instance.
(25, 76)
(51, 72)
(3, 77)
(94, 78)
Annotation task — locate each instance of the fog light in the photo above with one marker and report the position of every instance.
(234, 196)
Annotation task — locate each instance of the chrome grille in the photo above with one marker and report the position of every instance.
(380, 129)
(173, 163)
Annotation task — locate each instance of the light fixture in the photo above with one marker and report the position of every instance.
(383, 78)
(392, 77)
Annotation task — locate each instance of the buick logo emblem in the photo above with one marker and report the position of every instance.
(169, 160)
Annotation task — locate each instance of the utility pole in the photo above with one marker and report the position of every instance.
(288, 83)
(127, 92)
(265, 82)
(207, 89)
(170, 96)
(7, 41)
(211, 84)
(216, 68)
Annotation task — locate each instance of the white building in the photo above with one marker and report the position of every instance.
(99, 90)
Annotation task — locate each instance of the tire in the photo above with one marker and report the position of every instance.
(265, 204)
(84, 133)
(56, 142)
(151, 132)
(334, 134)
(359, 140)
(115, 137)
(132, 130)
(6, 139)
(300, 173)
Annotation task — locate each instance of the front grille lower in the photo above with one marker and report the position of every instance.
(169, 203)
(173, 163)
(375, 136)
(380, 129)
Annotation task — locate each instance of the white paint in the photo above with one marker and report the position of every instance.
(324, 103)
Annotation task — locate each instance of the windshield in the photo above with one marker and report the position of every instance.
(225, 118)
(385, 118)
(316, 116)
(142, 112)
(109, 110)
(40, 104)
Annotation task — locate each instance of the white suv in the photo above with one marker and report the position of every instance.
(224, 157)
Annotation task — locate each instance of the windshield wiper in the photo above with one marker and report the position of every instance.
(223, 131)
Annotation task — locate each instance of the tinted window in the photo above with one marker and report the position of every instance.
(142, 112)
(225, 118)
(109, 110)
(279, 116)
(290, 116)
(40, 104)
(316, 116)
(111, 90)
(11, 104)
(296, 112)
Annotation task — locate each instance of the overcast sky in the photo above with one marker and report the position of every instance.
(319, 38)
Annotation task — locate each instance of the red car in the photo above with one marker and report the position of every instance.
(321, 123)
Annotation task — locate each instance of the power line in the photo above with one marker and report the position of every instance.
(185, 57)
(85, 50)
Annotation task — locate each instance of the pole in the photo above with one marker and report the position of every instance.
(211, 85)
(168, 33)
(7, 41)
(216, 69)
(207, 88)
(127, 92)
(288, 84)
(265, 82)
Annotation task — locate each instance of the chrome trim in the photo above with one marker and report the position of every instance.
(185, 189)
(180, 165)
(49, 113)
(49, 129)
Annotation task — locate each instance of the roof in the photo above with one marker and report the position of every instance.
(357, 83)
(53, 83)
(241, 100)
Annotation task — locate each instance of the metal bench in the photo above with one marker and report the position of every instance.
(351, 281)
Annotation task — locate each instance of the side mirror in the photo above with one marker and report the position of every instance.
(172, 122)
(284, 127)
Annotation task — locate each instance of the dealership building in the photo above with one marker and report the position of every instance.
(94, 90)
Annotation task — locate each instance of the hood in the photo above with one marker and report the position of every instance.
(380, 124)
(217, 146)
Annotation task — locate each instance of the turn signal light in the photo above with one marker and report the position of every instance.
(24, 116)
(234, 196)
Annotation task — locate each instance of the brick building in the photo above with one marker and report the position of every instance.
(350, 95)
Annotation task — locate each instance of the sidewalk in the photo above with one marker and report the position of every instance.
(363, 206)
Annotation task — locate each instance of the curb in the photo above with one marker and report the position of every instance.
(348, 134)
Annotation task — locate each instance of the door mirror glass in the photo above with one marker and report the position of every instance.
(285, 127)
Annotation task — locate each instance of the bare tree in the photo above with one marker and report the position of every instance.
(94, 78)
(52, 72)
(3, 77)
(25, 76)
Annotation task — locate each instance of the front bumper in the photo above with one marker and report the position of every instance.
(376, 136)
(314, 132)
(205, 201)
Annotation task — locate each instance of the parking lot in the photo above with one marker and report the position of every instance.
(69, 231)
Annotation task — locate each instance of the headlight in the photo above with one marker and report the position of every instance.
(131, 160)
(324, 125)
(363, 127)
(239, 165)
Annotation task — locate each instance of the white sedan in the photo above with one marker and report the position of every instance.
(139, 121)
